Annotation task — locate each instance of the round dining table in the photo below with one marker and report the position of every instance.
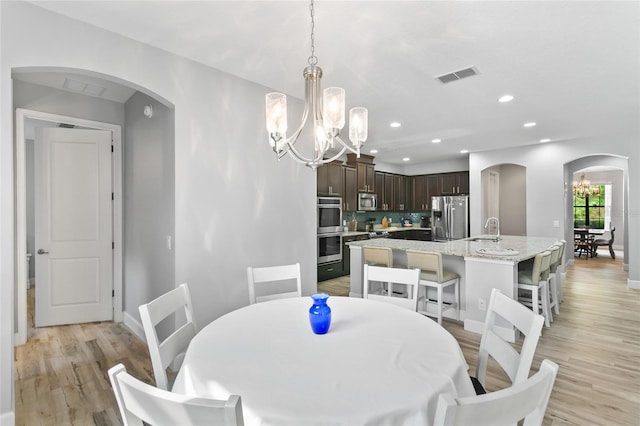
(379, 364)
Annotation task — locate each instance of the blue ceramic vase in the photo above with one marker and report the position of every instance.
(320, 313)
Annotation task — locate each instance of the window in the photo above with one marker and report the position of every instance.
(593, 211)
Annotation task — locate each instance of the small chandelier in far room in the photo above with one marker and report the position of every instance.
(584, 188)
(327, 117)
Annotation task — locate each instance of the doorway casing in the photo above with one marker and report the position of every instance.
(21, 227)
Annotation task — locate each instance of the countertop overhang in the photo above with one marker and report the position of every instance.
(527, 247)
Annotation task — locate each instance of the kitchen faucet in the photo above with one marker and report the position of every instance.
(486, 225)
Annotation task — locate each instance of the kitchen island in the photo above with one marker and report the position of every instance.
(481, 262)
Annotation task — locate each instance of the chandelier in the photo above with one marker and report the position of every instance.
(326, 112)
(584, 188)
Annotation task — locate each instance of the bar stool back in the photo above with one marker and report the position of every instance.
(433, 275)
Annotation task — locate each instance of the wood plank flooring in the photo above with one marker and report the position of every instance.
(61, 372)
(595, 340)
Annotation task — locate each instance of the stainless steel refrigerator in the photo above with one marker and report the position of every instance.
(450, 217)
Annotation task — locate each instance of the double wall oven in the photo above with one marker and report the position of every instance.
(329, 214)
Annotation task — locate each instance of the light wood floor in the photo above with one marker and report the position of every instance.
(595, 340)
(61, 372)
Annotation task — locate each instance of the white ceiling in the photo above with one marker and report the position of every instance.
(573, 66)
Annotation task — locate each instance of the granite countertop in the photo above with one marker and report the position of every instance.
(526, 247)
(389, 229)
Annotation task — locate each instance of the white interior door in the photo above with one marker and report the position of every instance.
(73, 221)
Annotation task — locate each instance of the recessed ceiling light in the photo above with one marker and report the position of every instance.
(374, 151)
(529, 124)
(505, 98)
(436, 140)
(395, 124)
(406, 159)
(545, 140)
(464, 151)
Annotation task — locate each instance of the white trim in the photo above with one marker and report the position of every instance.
(21, 229)
(635, 284)
(8, 418)
(135, 326)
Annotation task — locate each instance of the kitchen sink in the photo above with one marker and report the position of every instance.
(497, 251)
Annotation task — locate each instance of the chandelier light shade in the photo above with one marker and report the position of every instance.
(584, 188)
(325, 113)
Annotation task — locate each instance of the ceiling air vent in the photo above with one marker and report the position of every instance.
(457, 75)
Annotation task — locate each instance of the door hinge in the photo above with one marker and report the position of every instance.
(113, 244)
(111, 148)
(113, 293)
(112, 197)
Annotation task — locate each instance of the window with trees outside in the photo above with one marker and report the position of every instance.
(593, 211)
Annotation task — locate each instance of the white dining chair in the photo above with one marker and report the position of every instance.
(171, 349)
(273, 277)
(526, 401)
(139, 402)
(408, 278)
(515, 364)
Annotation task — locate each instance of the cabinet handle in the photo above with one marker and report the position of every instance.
(330, 269)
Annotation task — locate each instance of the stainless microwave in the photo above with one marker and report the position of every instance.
(367, 202)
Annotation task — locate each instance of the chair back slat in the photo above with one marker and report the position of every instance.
(407, 277)
(265, 277)
(139, 402)
(163, 352)
(518, 316)
(526, 400)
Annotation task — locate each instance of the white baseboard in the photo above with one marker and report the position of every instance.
(134, 325)
(635, 284)
(8, 418)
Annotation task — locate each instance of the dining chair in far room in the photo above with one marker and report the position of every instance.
(523, 403)
(515, 364)
(533, 284)
(276, 282)
(434, 276)
(408, 278)
(140, 402)
(602, 242)
(170, 350)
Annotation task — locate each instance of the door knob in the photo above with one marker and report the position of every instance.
(40, 251)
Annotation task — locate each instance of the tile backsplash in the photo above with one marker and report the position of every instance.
(395, 218)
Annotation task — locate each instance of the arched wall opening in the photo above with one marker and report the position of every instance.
(143, 163)
(600, 162)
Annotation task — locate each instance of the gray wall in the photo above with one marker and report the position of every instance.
(548, 189)
(149, 202)
(235, 205)
(513, 200)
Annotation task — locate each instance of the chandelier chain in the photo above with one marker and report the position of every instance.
(313, 60)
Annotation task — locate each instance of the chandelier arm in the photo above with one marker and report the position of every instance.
(335, 157)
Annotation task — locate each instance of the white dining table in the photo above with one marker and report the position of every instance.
(378, 364)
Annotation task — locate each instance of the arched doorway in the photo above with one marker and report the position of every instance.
(602, 168)
(43, 89)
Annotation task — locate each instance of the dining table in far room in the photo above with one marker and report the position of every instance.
(583, 240)
(378, 364)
